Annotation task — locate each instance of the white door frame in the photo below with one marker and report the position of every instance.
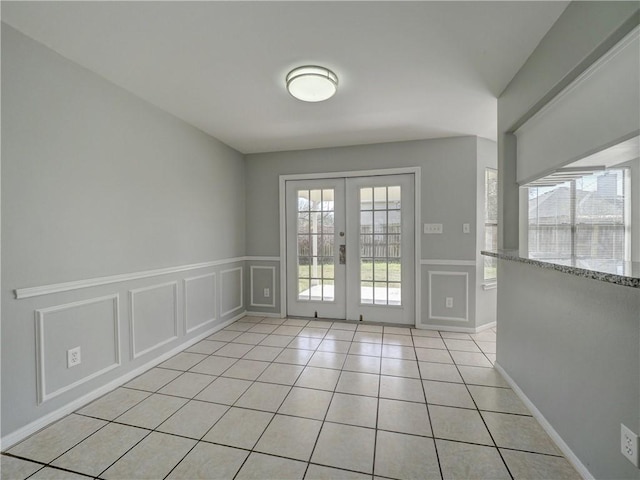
(415, 171)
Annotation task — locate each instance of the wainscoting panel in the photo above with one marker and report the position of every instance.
(453, 285)
(262, 278)
(199, 301)
(153, 317)
(93, 326)
(231, 291)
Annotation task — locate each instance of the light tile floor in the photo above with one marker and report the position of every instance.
(279, 399)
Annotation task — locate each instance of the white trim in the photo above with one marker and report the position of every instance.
(273, 285)
(132, 293)
(263, 314)
(466, 292)
(544, 423)
(417, 178)
(186, 297)
(22, 433)
(255, 258)
(457, 263)
(449, 328)
(42, 395)
(222, 290)
(490, 285)
(28, 292)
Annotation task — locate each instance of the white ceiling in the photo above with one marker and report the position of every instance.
(407, 70)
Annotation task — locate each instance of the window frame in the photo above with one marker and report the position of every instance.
(490, 263)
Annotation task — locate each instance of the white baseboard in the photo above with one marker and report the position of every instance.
(249, 313)
(557, 439)
(31, 428)
(448, 328)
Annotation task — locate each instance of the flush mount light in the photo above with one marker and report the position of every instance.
(312, 83)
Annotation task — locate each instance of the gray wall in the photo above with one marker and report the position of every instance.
(449, 196)
(563, 351)
(96, 182)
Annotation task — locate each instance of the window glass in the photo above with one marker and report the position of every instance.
(490, 221)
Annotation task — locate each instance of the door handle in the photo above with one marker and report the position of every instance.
(342, 254)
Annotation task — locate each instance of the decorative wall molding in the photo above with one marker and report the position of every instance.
(132, 293)
(241, 287)
(40, 317)
(29, 292)
(457, 263)
(273, 286)
(186, 301)
(544, 423)
(432, 274)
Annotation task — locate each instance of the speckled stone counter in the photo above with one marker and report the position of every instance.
(610, 271)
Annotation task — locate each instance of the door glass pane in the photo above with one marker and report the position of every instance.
(380, 252)
(316, 260)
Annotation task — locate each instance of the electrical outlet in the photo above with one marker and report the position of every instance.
(73, 357)
(266, 293)
(629, 444)
(448, 302)
(432, 228)
(466, 228)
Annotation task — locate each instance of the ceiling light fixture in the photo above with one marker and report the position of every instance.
(312, 83)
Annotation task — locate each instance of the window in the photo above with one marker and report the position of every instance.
(583, 217)
(490, 221)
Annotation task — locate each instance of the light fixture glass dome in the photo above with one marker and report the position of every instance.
(312, 83)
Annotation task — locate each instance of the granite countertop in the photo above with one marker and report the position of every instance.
(612, 271)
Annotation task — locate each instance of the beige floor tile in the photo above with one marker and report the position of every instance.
(294, 356)
(16, 468)
(187, 385)
(362, 363)
(260, 467)
(398, 388)
(273, 321)
(363, 327)
(255, 319)
(461, 345)
(277, 341)
(353, 410)
(246, 369)
(482, 376)
(214, 365)
(153, 380)
(392, 339)
(470, 358)
(114, 404)
(224, 390)
(207, 461)
(345, 446)
(305, 343)
(367, 337)
(250, 338)
(371, 349)
(305, 402)
(206, 347)
(263, 328)
(320, 323)
(239, 326)
(448, 394)
(463, 461)
(519, 433)
(264, 396)
(358, 383)
(57, 438)
(287, 330)
(418, 332)
(327, 360)
(152, 411)
(290, 437)
(234, 350)
(487, 347)
(224, 336)
(456, 335)
(531, 466)
(183, 361)
(296, 322)
(194, 419)
(492, 357)
(433, 355)
(459, 424)
(313, 332)
(341, 335)
(404, 417)
(318, 378)
(101, 449)
(397, 330)
(400, 368)
(484, 336)
(498, 400)
(239, 428)
(318, 472)
(350, 327)
(398, 351)
(335, 346)
(281, 373)
(263, 353)
(429, 342)
(152, 458)
(441, 372)
(50, 473)
(406, 457)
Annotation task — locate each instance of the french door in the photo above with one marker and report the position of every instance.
(350, 248)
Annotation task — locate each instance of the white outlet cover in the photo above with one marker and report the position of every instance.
(73, 357)
(629, 444)
(265, 293)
